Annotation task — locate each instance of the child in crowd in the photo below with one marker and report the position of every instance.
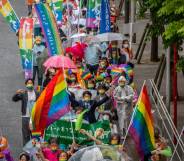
(24, 157)
(88, 103)
(52, 151)
(104, 110)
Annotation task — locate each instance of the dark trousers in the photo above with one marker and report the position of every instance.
(93, 68)
(29, 9)
(26, 133)
(40, 78)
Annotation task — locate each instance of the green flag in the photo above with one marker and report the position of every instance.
(65, 130)
(78, 123)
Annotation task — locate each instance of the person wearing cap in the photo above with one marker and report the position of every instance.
(38, 50)
(123, 95)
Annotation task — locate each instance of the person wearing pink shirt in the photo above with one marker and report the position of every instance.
(52, 152)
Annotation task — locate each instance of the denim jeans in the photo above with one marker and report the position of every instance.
(29, 9)
(36, 71)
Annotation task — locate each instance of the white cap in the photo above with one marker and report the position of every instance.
(122, 78)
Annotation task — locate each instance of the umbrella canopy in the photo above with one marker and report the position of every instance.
(78, 35)
(110, 36)
(59, 61)
(98, 153)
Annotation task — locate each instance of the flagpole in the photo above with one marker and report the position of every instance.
(134, 111)
(78, 16)
(73, 137)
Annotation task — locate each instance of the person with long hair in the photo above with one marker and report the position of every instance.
(126, 54)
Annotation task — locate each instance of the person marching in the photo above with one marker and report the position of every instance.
(123, 95)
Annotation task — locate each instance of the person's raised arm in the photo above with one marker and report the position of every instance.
(18, 95)
(98, 142)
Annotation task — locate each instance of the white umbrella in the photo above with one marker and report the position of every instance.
(78, 35)
(98, 153)
(110, 36)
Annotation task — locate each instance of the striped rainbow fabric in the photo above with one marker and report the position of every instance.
(9, 14)
(26, 33)
(142, 127)
(49, 27)
(52, 104)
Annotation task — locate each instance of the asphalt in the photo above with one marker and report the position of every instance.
(11, 79)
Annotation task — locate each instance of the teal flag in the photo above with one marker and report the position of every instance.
(27, 62)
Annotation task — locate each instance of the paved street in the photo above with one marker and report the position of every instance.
(11, 78)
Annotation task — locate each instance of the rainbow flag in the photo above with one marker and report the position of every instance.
(86, 75)
(116, 71)
(49, 27)
(142, 128)
(52, 104)
(36, 134)
(9, 14)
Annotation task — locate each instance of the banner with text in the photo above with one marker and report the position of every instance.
(56, 6)
(49, 27)
(9, 14)
(62, 129)
(105, 22)
(93, 13)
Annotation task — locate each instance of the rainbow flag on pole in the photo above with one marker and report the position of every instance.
(49, 27)
(86, 75)
(52, 104)
(116, 71)
(142, 126)
(9, 14)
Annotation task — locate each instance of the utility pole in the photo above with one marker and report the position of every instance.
(168, 79)
(175, 97)
(132, 19)
(127, 11)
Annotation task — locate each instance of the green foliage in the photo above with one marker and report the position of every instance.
(172, 11)
(167, 19)
(180, 64)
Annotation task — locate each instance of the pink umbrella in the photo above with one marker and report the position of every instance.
(59, 61)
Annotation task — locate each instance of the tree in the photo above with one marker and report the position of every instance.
(167, 18)
(172, 11)
(157, 26)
